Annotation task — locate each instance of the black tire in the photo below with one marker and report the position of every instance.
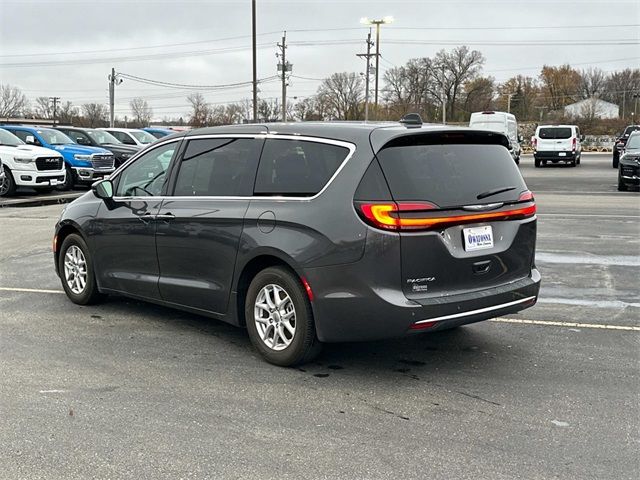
(7, 185)
(536, 162)
(616, 159)
(621, 185)
(304, 345)
(578, 160)
(517, 159)
(69, 179)
(89, 294)
(573, 163)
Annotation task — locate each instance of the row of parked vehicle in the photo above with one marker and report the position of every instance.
(45, 158)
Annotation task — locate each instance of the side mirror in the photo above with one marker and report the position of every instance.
(582, 137)
(520, 139)
(82, 141)
(31, 140)
(103, 189)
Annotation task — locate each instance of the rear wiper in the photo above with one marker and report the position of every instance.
(495, 191)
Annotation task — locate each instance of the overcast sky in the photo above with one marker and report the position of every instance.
(41, 42)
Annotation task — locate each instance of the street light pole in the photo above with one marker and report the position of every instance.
(255, 68)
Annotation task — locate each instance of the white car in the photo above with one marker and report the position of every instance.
(557, 143)
(501, 122)
(131, 136)
(23, 165)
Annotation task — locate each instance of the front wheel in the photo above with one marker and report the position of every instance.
(69, 179)
(279, 318)
(75, 267)
(7, 184)
(621, 185)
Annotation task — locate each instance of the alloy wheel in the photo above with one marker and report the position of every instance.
(275, 317)
(75, 269)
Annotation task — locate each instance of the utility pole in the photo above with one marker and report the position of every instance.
(377, 23)
(624, 100)
(444, 101)
(367, 56)
(635, 106)
(509, 95)
(284, 67)
(255, 68)
(55, 101)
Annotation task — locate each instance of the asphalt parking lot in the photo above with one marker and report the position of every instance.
(130, 390)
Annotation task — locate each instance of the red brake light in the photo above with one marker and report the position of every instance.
(525, 196)
(389, 215)
(573, 143)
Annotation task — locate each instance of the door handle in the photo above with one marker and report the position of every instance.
(166, 216)
(146, 218)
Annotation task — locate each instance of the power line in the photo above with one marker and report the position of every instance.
(524, 27)
(197, 87)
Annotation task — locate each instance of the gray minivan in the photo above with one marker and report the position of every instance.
(311, 232)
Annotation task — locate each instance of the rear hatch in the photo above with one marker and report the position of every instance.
(465, 217)
(555, 139)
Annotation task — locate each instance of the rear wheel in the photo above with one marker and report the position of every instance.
(7, 184)
(536, 162)
(279, 318)
(75, 267)
(573, 163)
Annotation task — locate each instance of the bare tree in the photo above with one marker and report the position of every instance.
(620, 88)
(141, 111)
(43, 108)
(269, 110)
(200, 110)
(67, 112)
(13, 103)
(95, 114)
(451, 70)
(342, 93)
(478, 94)
(592, 82)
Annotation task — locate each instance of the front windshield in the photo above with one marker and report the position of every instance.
(53, 137)
(634, 142)
(9, 139)
(143, 137)
(102, 138)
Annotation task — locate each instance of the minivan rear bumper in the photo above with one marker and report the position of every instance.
(555, 155)
(345, 310)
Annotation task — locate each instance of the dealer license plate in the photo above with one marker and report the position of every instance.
(478, 238)
(562, 154)
(53, 182)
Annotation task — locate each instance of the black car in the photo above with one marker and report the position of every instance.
(311, 232)
(100, 138)
(621, 141)
(629, 166)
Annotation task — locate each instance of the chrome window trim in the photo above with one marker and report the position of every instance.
(340, 143)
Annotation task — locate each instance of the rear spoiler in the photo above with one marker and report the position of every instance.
(424, 136)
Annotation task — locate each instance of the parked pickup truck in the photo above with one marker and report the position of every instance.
(27, 166)
(82, 164)
(101, 138)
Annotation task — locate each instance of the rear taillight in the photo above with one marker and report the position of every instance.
(534, 143)
(393, 216)
(573, 144)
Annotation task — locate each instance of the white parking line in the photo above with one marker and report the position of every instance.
(551, 323)
(29, 290)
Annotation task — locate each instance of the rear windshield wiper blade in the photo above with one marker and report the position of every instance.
(495, 191)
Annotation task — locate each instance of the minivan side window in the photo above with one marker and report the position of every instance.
(215, 167)
(297, 167)
(146, 175)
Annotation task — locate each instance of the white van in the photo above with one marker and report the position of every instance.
(557, 143)
(501, 122)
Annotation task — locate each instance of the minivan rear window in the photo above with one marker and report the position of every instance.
(297, 167)
(554, 133)
(451, 175)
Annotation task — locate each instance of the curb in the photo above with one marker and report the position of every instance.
(40, 201)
